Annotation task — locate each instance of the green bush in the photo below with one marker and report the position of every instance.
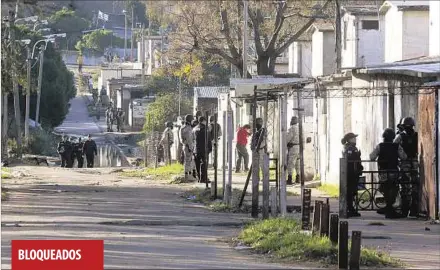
(43, 143)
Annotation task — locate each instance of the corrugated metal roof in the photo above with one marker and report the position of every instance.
(416, 70)
(405, 5)
(361, 10)
(432, 84)
(209, 91)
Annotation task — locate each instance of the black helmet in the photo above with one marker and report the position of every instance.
(389, 134)
(347, 137)
(188, 118)
(212, 118)
(408, 122)
(169, 124)
(198, 114)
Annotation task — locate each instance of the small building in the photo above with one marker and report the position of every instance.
(362, 36)
(434, 28)
(406, 29)
(137, 111)
(206, 98)
(300, 56)
(323, 48)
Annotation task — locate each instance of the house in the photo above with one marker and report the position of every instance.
(434, 28)
(361, 26)
(406, 29)
(137, 111)
(300, 57)
(206, 98)
(323, 48)
(118, 71)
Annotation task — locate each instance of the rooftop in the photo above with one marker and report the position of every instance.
(405, 5)
(245, 87)
(209, 91)
(361, 10)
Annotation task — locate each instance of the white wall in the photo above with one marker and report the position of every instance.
(370, 43)
(393, 35)
(300, 58)
(107, 74)
(348, 37)
(415, 34)
(434, 28)
(318, 53)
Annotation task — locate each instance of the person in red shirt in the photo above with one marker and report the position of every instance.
(242, 140)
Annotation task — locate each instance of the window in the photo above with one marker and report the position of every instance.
(370, 25)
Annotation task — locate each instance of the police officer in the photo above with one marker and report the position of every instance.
(293, 150)
(259, 136)
(78, 152)
(167, 140)
(109, 118)
(180, 147)
(121, 119)
(354, 170)
(90, 150)
(61, 149)
(187, 141)
(388, 154)
(118, 120)
(215, 132)
(400, 127)
(72, 153)
(408, 139)
(200, 149)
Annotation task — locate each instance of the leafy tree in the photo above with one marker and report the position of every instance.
(99, 40)
(216, 27)
(165, 108)
(67, 21)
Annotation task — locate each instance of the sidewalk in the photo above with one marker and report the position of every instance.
(414, 242)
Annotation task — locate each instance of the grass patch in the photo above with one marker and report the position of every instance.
(292, 193)
(6, 173)
(283, 239)
(162, 173)
(4, 195)
(331, 190)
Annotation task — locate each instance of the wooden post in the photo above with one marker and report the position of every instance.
(316, 216)
(355, 254)
(224, 157)
(282, 153)
(168, 149)
(334, 222)
(343, 188)
(301, 142)
(324, 222)
(205, 159)
(255, 163)
(305, 209)
(343, 245)
(265, 186)
(230, 138)
(215, 154)
(273, 202)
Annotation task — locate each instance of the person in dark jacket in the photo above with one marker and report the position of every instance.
(388, 154)
(61, 149)
(71, 153)
(354, 170)
(200, 133)
(215, 132)
(90, 150)
(78, 152)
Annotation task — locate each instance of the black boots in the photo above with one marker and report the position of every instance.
(297, 179)
(289, 180)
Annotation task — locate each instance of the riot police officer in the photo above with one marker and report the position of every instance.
(187, 141)
(78, 152)
(61, 149)
(200, 158)
(293, 150)
(109, 118)
(354, 170)
(259, 137)
(167, 140)
(388, 154)
(408, 139)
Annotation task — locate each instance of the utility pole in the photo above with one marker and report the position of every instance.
(142, 49)
(15, 83)
(245, 37)
(28, 95)
(180, 92)
(125, 35)
(338, 36)
(301, 143)
(40, 81)
(132, 28)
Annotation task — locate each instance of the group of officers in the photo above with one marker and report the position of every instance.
(69, 150)
(398, 169)
(113, 115)
(197, 139)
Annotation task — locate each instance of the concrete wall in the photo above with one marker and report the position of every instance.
(71, 57)
(434, 28)
(300, 58)
(329, 59)
(117, 73)
(348, 37)
(317, 53)
(393, 35)
(415, 34)
(369, 54)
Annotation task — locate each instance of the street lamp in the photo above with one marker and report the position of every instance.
(125, 34)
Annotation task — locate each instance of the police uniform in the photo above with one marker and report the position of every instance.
(187, 141)
(354, 170)
(166, 141)
(215, 132)
(262, 150)
(78, 152)
(200, 159)
(409, 167)
(109, 119)
(61, 149)
(388, 155)
(68, 150)
(293, 152)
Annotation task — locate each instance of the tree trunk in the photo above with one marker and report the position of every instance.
(264, 66)
(4, 152)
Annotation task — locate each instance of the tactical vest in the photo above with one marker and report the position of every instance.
(388, 156)
(409, 144)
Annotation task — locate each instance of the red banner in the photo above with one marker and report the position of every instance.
(57, 254)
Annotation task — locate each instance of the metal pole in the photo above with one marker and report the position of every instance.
(28, 95)
(40, 81)
(224, 155)
(215, 154)
(282, 153)
(131, 36)
(230, 137)
(301, 144)
(142, 49)
(180, 92)
(338, 36)
(125, 36)
(245, 37)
